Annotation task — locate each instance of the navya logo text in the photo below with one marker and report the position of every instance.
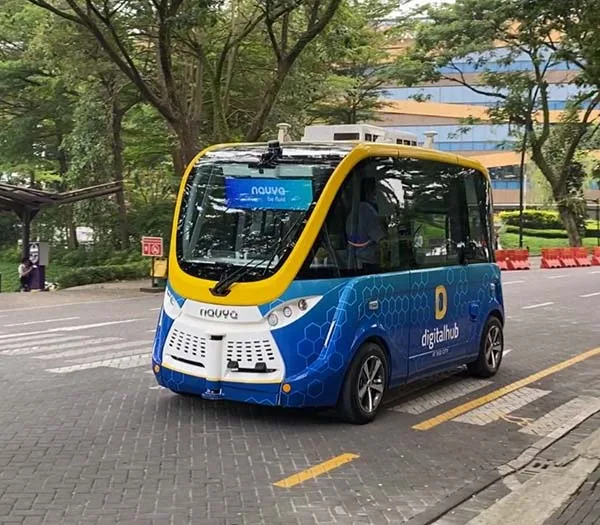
(266, 190)
(439, 335)
(218, 313)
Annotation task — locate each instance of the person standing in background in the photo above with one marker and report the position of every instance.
(25, 269)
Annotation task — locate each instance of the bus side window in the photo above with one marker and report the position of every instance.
(479, 237)
(437, 220)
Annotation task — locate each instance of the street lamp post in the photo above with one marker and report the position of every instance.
(597, 221)
(597, 201)
(522, 183)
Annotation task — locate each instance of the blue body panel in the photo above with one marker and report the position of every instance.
(399, 309)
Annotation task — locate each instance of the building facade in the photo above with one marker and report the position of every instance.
(458, 116)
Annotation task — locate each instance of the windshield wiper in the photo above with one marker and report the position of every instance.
(223, 286)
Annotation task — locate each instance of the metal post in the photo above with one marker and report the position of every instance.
(522, 185)
(598, 221)
(153, 285)
(26, 218)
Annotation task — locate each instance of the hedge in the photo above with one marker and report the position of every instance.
(102, 274)
(535, 219)
(550, 234)
(544, 234)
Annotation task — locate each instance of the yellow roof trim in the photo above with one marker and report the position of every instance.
(267, 290)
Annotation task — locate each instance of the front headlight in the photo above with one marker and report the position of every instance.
(170, 305)
(288, 312)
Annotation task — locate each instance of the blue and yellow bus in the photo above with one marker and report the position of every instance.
(322, 274)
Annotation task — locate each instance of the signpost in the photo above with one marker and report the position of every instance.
(152, 247)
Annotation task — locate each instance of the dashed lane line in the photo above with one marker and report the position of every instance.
(62, 345)
(74, 328)
(61, 305)
(557, 277)
(122, 363)
(90, 351)
(499, 408)
(44, 321)
(315, 471)
(440, 396)
(23, 347)
(578, 409)
(448, 415)
(539, 305)
(593, 294)
(512, 282)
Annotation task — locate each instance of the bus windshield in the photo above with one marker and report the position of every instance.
(236, 213)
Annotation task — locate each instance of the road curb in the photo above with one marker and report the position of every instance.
(438, 511)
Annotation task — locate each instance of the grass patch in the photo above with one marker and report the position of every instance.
(511, 240)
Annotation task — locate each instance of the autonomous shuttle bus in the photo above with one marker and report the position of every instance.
(321, 273)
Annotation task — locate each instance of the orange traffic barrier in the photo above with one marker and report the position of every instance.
(551, 258)
(596, 257)
(502, 259)
(567, 257)
(518, 260)
(581, 256)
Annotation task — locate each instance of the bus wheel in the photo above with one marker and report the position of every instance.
(491, 350)
(365, 384)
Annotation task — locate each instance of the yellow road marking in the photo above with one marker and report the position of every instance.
(475, 403)
(315, 471)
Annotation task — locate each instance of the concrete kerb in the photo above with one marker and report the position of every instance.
(537, 499)
(588, 449)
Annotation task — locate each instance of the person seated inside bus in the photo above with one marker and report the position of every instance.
(365, 229)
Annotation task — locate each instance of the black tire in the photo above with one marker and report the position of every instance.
(352, 405)
(491, 350)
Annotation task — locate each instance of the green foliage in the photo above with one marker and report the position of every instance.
(84, 258)
(103, 274)
(544, 234)
(535, 244)
(535, 219)
(468, 31)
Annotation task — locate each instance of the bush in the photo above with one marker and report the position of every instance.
(544, 234)
(103, 274)
(97, 256)
(535, 219)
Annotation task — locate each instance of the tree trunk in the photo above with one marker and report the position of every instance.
(117, 151)
(72, 229)
(569, 219)
(188, 144)
(268, 100)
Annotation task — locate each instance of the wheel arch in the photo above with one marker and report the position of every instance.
(379, 341)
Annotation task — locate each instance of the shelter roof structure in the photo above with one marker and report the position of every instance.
(27, 202)
(21, 200)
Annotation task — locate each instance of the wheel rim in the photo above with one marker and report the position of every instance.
(493, 347)
(370, 384)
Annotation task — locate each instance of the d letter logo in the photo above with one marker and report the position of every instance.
(441, 302)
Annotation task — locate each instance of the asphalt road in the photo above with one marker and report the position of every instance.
(86, 435)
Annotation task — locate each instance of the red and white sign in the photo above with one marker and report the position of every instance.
(152, 246)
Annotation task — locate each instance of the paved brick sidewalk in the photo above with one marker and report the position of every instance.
(584, 506)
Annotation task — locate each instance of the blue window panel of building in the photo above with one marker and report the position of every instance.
(558, 94)
(518, 65)
(505, 184)
(496, 134)
(468, 146)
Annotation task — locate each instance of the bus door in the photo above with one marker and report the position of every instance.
(440, 297)
(374, 238)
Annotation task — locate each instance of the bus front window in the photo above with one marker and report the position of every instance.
(235, 215)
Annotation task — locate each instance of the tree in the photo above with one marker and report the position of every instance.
(355, 62)
(35, 104)
(168, 49)
(491, 35)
